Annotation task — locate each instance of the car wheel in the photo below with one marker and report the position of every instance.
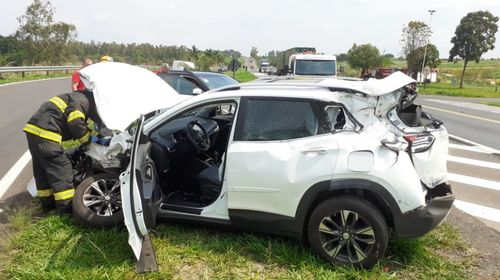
(348, 230)
(97, 201)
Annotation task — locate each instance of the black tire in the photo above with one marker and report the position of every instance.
(353, 232)
(101, 211)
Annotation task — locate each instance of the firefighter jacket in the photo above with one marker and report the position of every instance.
(64, 117)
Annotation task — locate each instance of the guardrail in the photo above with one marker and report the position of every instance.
(24, 69)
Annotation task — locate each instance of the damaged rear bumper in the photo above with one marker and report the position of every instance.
(420, 221)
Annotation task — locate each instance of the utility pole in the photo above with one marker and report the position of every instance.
(425, 49)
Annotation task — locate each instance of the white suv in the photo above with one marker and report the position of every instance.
(339, 164)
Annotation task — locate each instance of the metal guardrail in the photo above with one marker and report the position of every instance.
(24, 69)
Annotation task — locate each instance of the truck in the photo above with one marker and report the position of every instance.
(264, 66)
(304, 61)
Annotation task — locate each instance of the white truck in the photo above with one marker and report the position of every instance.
(304, 61)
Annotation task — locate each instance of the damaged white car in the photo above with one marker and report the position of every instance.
(339, 164)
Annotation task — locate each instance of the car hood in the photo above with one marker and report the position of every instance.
(123, 92)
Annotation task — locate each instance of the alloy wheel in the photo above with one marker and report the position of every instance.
(103, 197)
(346, 236)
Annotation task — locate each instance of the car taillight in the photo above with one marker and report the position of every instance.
(419, 143)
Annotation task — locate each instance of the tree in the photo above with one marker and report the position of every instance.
(342, 57)
(416, 57)
(254, 52)
(415, 35)
(363, 57)
(474, 36)
(44, 40)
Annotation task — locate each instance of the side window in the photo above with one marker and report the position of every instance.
(338, 119)
(270, 119)
(181, 85)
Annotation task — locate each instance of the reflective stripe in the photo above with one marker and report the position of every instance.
(64, 195)
(40, 132)
(44, 193)
(84, 138)
(75, 115)
(59, 103)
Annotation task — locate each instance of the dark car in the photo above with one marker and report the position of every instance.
(192, 83)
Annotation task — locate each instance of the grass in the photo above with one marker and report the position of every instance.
(242, 76)
(12, 78)
(496, 104)
(55, 248)
(453, 90)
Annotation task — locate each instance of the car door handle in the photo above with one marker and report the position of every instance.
(315, 150)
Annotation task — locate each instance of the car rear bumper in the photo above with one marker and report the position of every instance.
(420, 221)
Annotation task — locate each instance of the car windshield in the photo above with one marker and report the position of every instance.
(215, 81)
(315, 67)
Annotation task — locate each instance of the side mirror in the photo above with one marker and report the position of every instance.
(197, 91)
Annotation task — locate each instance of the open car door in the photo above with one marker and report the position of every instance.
(141, 198)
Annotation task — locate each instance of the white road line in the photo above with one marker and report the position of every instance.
(469, 161)
(462, 114)
(479, 211)
(469, 142)
(14, 171)
(482, 183)
(32, 81)
(467, 148)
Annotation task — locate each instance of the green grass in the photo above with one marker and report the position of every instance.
(56, 248)
(242, 76)
(12, 78)
(496, 104)
(453, 90)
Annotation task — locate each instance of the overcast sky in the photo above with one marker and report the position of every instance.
(332, 26)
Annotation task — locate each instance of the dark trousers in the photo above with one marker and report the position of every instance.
(53, 173)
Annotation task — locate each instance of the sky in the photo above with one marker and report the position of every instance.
(331, 26)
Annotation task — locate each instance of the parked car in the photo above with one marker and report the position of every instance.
(192, 83)
(338, 164)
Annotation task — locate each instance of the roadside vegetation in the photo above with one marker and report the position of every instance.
(241, 75)
(54, 247)
(12, 78)
(496, 104)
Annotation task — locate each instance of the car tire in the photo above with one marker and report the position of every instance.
(97, 201)
(348, 230)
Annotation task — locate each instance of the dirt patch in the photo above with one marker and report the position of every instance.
(483, 239)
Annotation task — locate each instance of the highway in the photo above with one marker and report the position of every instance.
(473, 168)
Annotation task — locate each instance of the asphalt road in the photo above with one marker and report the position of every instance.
(470, 120)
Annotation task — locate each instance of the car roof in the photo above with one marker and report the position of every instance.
(370, 87)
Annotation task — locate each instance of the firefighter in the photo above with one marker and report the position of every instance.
(63, 117)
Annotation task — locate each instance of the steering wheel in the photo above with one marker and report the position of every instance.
(197, 135)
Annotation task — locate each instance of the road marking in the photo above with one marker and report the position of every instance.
(468, 161)
(482, 183)
(31, 81)
(462, 114)
(467, 105)
(13, 172)
(466, 148)
(479, 211)
(477, 145)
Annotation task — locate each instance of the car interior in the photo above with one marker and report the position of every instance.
(188, 153)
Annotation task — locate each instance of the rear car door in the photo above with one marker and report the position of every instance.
(141, 198)
(280, 148)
